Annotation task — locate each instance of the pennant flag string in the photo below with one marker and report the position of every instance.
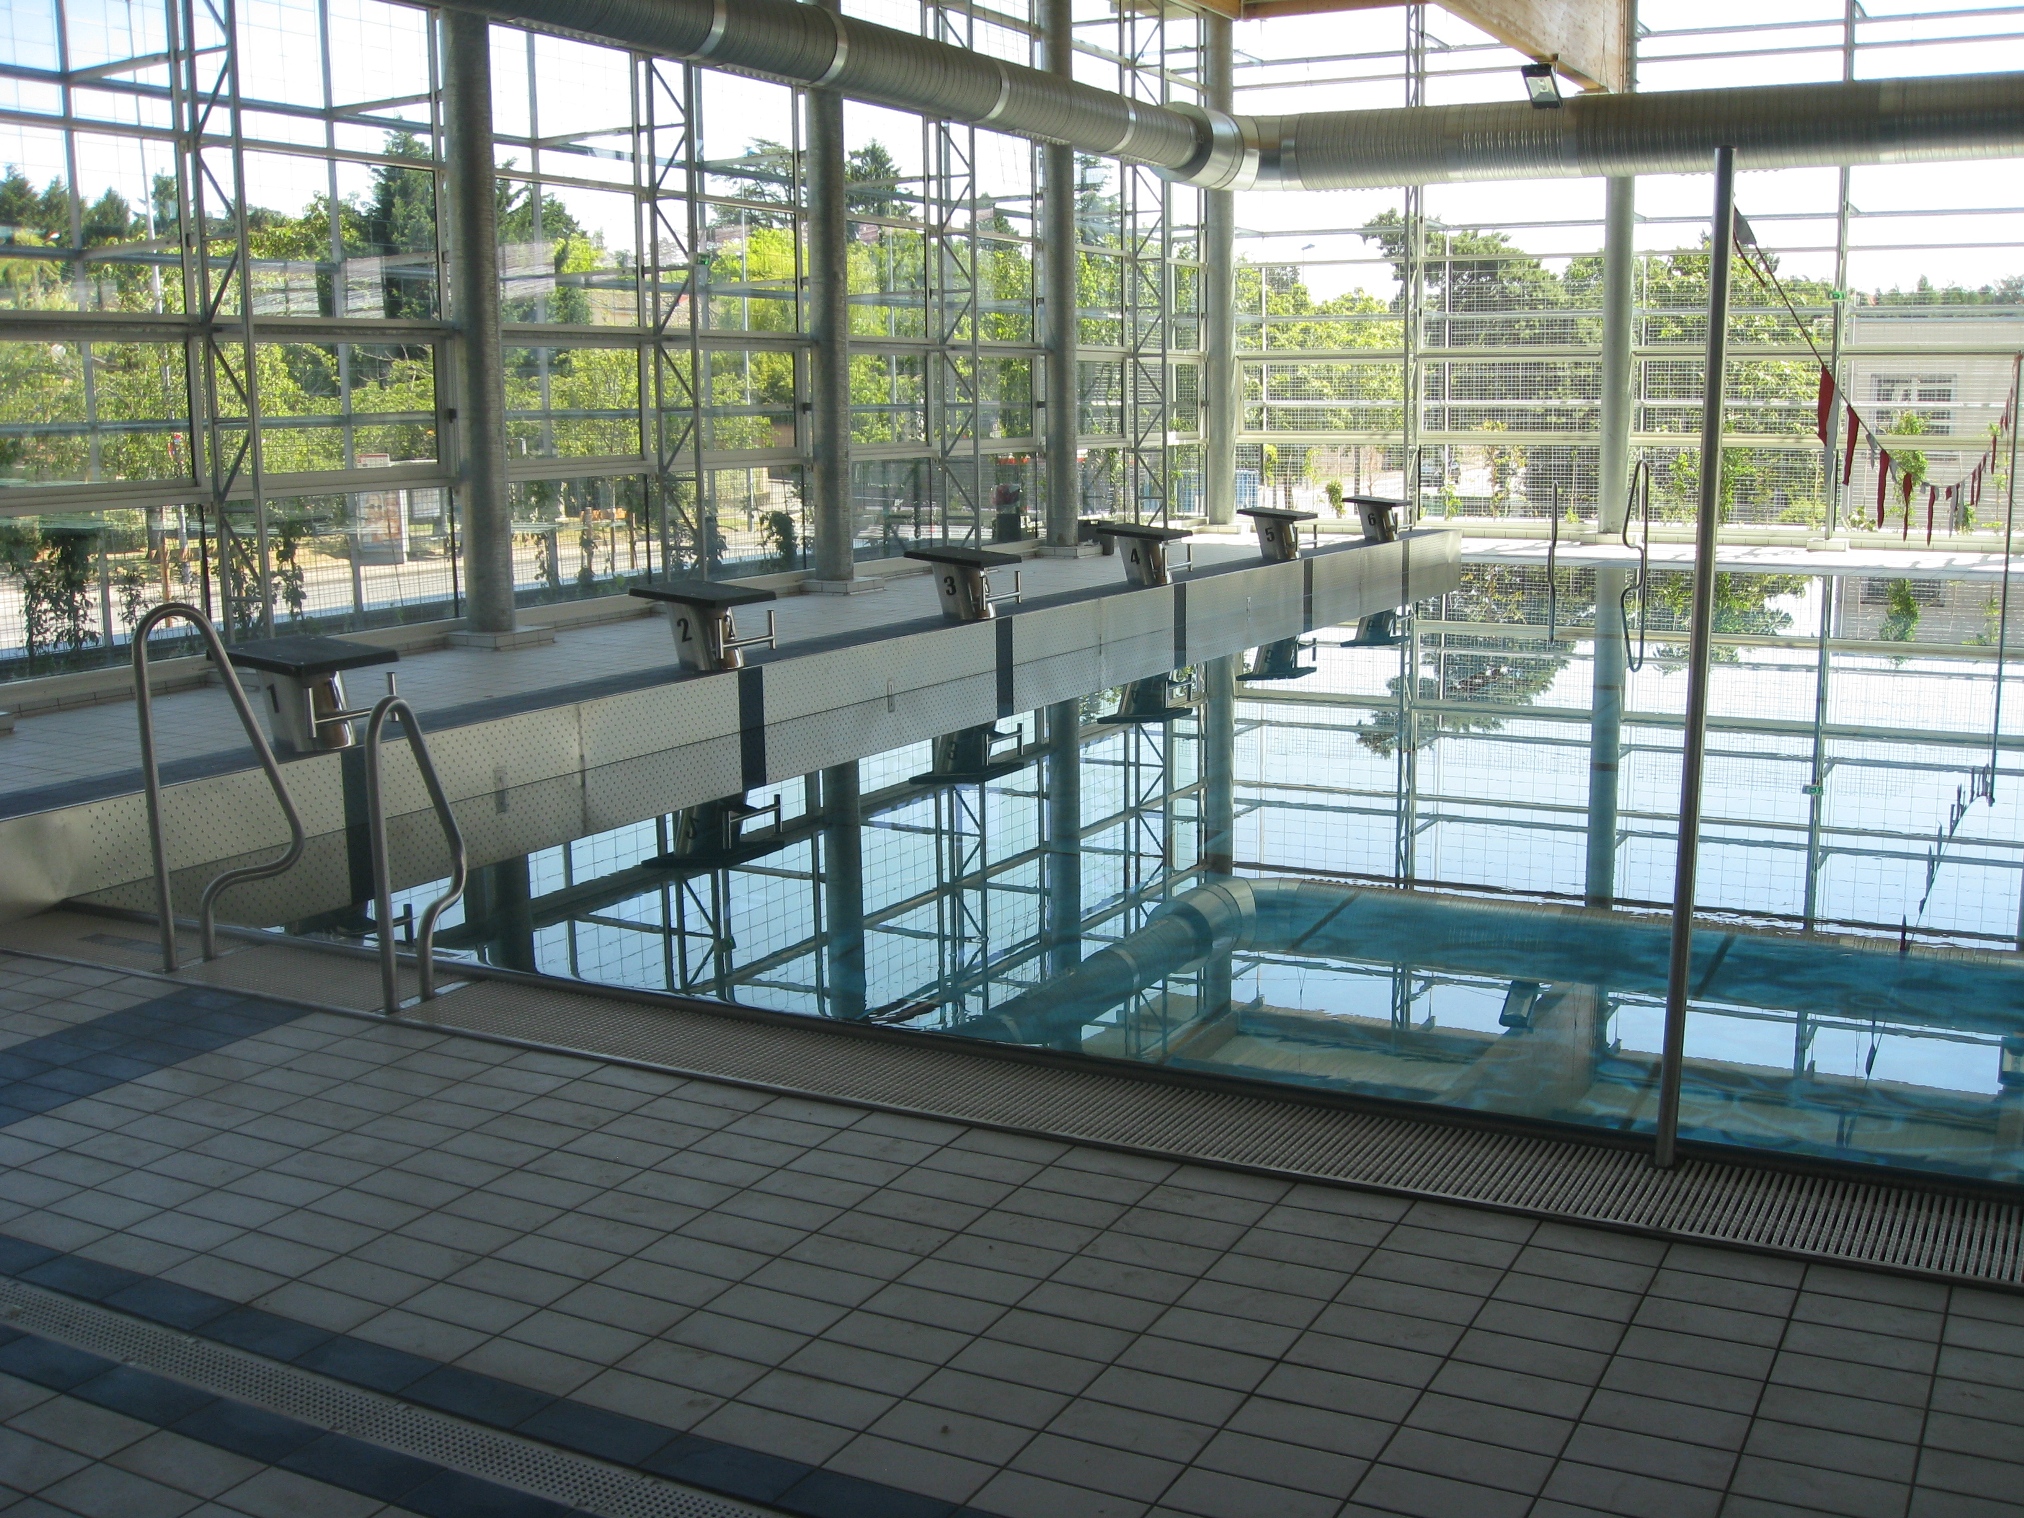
(1829, 392)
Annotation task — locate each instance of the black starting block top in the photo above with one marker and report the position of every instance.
(307, 657)
(713, 595)
(1277, 514)
(1375, 500)
(1136, 530)
(966, 558)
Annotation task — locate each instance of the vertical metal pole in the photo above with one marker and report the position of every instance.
(1693, 741)
(1414, 286)
(2009, 548)
(1222, 390)
(2003, 606)
(829, 326)
(1612, 502)
(1219, 808)
(1060, 265)
(479, 365)
(1064, 837)
(1816, 794)
(842, 891)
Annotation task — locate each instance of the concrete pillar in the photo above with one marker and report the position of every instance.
(829, 325)
(1219, 807)
(1063, 881)
(842, 891)
(477, 366)
(1060, 266)
(1619, 319)
(1222, 390)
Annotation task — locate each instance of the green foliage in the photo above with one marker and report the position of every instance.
(1901, 613)
(781, 538)
(54, 571)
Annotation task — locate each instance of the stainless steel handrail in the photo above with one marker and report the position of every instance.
(1552, 571)
(1640, 494)
(152, 775)
(383, 902)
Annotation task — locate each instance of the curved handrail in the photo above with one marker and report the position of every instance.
(383, 900)
(1552, 578)
(152, 775)
(1640, 493)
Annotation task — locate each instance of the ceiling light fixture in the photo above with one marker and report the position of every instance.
(1542, 86)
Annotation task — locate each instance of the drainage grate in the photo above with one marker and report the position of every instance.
(383, 1421)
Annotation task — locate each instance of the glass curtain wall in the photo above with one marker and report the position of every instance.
(1463, 323)
(221, 315)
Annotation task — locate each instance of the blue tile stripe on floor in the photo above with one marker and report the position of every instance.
(420, 1486)
(39, 1075)
(42, 1074)
(752, 1475)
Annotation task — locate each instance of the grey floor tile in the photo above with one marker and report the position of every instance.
(1018, 1494)
(1096, 1467)
(1653, 1455)
(1810, 1487)
(1420, 1494)
(1132, 1429)
(1329, 1430)
(1465, 1459)
(1219, 1494)
(1277, 1462)
(104, 1491)
(1609, 1489)
(777, 1433)
(931, 1472)
(960, 1435)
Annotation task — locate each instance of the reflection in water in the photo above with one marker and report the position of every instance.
(1202, 870)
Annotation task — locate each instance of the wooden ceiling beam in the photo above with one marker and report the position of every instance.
(1586, 40)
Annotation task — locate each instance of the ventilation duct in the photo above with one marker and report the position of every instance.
(1675, 132)
(1775, 127)
(807, 45)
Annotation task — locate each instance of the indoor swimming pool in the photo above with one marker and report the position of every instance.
(1283, 866)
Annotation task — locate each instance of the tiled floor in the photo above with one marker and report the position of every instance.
(67, 1454)
(834, 1310)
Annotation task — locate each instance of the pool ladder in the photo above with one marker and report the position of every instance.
(389, 707)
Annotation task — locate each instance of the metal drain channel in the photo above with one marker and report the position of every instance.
(384, 1421)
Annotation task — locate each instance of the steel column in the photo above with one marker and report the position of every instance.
(1222, 387)
(479, 366)
(1218, 807)
(843, 891)
(829, 325)
(1060, 264)
(1063, 906)
(1612, 500)
(1700, 644)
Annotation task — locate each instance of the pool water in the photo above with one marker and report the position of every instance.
(1242, 870)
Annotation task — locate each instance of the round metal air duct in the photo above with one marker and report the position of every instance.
(1676, 132)
(1771, 127)
(807, 45)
